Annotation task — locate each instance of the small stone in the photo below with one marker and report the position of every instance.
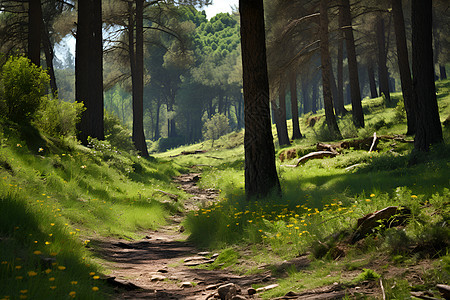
(163, 271)
(157, 278)
(238, 297)
(227, 291)
(203, 253)
(186, 284)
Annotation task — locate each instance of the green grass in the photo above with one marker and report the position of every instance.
(55, 196)
(321, 198)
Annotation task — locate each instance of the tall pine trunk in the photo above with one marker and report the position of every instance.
(137, 78)
(296, 133)
(49, 55)
(428, 125)
(89, 69)
(403, 63)
(281, 123)
(326, 72)
(339, 101)
(260, 171)
(34, 31)
(372, 82)
(383, 74)
(355, 91)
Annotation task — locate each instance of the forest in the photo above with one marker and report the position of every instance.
(284, 150)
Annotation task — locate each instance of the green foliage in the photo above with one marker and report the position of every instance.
(367, 275)
(216, 127)
(51, 203)
(22, 89)
(400, 111)
(117, 134)
(59, 118)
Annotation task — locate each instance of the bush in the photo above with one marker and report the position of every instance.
(215, 127)
(59, 118)
(117, 134)
(22, 88)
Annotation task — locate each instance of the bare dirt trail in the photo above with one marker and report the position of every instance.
(162, 266)
(155, 267)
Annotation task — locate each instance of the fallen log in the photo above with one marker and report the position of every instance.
(397, 138)
(315, 155)
(385, 216)
(327, 147)
(190, 152)
(171, 196)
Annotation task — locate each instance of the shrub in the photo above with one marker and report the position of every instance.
(216, 127)
(59, 118)
(117, 134)
(22, 88)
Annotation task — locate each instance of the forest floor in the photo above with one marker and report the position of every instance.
(163, 266)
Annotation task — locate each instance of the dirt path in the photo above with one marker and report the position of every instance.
(154, 268)
(157, 267)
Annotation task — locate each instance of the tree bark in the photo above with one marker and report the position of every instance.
(137, 78)
(326, 72)
(355, 91)
(305, 94)
(403, 63)
(34, 31)
(89, 69)
(372, 83)
(428, 125)
(340, 110)
(296, 133)
(158, 109)
(383, 74)
(281, 123)
(260, 170)
(49, 55)
(442, 72)
(314, 96)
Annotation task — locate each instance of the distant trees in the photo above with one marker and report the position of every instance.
(260, 172)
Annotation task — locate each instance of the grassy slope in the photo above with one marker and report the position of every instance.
(57, 198)
(321, 198)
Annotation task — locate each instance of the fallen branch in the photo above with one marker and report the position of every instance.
(373, 142)
(190, 152)
(315, 155)
(171, 196)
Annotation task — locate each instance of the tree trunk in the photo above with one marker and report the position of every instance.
(314, 96)
(281, 123)
(296, 134)
(49, 55)
(403, 63)
(339, 101)
(89, 69)
(305, 94)
(372, 83)
(428, 125)
(260, 170)
(34, 31)
(383, 74)
(442, 72)
(158, 110)
(357, 112)
(137, 78)
(326, 72)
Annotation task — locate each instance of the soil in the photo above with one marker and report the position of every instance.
(155, 267)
